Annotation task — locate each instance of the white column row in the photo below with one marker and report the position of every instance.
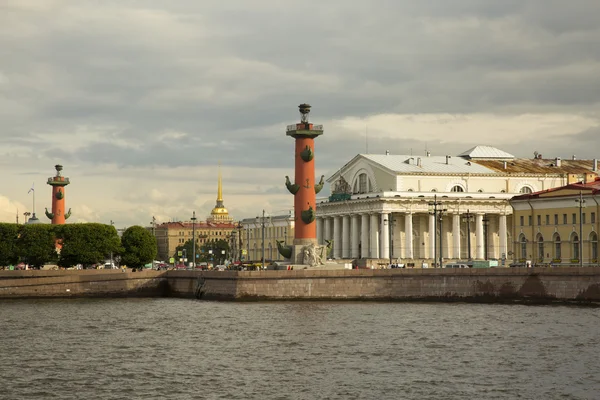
(367, 235)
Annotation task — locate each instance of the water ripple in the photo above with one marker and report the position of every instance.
(183, 349)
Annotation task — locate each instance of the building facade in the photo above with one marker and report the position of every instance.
(405, 208)
(275, 228)
(219, 225)
(558, 226)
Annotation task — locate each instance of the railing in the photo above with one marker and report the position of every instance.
(54, 180)
(306, 127)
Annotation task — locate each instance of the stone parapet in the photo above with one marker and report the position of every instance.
(539, 285)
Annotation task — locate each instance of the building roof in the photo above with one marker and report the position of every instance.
(431, 164)
(488, 152)
(538, 166)
(587, 188)
(198, 225)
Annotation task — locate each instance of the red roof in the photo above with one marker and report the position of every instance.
(590, 188)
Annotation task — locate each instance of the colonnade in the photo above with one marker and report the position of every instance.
(408, 235)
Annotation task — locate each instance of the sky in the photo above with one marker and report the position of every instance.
(142, 100)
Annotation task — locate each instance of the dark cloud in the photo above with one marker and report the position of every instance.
(162, 84)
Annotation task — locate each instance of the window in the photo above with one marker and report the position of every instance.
(522, 220)
(526, 189)
(583, 218)
(541, 247)
(564, 219)
(362, 183)
(434, 190)
(555, 219)
(574, 218)
(575, 243)
(547, 219)
(557, 249)
(523, 247)
(594, 246)
(480, 190)
(529, 220)
(593, 218)
(539, 220)
(457, 188)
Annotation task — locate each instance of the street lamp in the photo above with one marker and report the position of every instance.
(112, 223)
(194, 239)
(210, 252)
(390, 227)
(26, 214)
(468, 217)
(222, 256)
(581, 202)
(261, 221)
(486, 223)
(437, 214)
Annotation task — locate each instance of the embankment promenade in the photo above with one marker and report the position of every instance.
(519, 285)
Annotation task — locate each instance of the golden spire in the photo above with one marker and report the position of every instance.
(220, 187)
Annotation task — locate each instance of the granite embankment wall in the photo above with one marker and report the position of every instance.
(84, 283)
(539, 285)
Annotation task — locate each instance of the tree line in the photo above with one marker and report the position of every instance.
(72, 244)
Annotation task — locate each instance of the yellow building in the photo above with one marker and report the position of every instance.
(275, 228)
(558, 226)
(218, 226)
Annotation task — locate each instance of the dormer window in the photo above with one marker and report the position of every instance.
(457, 188)
(526, 190)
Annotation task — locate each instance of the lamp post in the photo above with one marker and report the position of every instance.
(222, 256)
(26, 214)
(262, 224)
(468, 217)
(194, 239)
(210, 252)
(233, 246)
(581, 202)
(486, 222)
(437, 214)
(389, 224)
(112, 223)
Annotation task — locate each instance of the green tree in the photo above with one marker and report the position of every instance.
(87, 243)
(36, 244)
(139, 247)
(215, 251)
(8, 244)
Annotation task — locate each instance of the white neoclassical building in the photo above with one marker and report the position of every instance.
(386, 206)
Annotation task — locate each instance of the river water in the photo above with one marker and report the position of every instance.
(188, 349)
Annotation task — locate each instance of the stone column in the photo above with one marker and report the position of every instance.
(364, 236)
(326, 229)
(432, 237)
(385, 236)
(346, 236)
(408, 234)
(456, 235)
(479, 250)
(319, 221)
(503, 236)
(355, 240)
(337, 237)
(374, 242)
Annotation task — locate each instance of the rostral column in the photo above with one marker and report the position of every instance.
(58, 183)
(304, 188)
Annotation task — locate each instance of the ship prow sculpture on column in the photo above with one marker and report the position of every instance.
(305, 251)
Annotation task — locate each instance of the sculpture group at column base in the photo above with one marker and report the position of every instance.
(304, 253)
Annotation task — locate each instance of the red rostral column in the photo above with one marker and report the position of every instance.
(58, 183)
(304, 189)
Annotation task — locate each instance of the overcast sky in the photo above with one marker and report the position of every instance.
(141, 100)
